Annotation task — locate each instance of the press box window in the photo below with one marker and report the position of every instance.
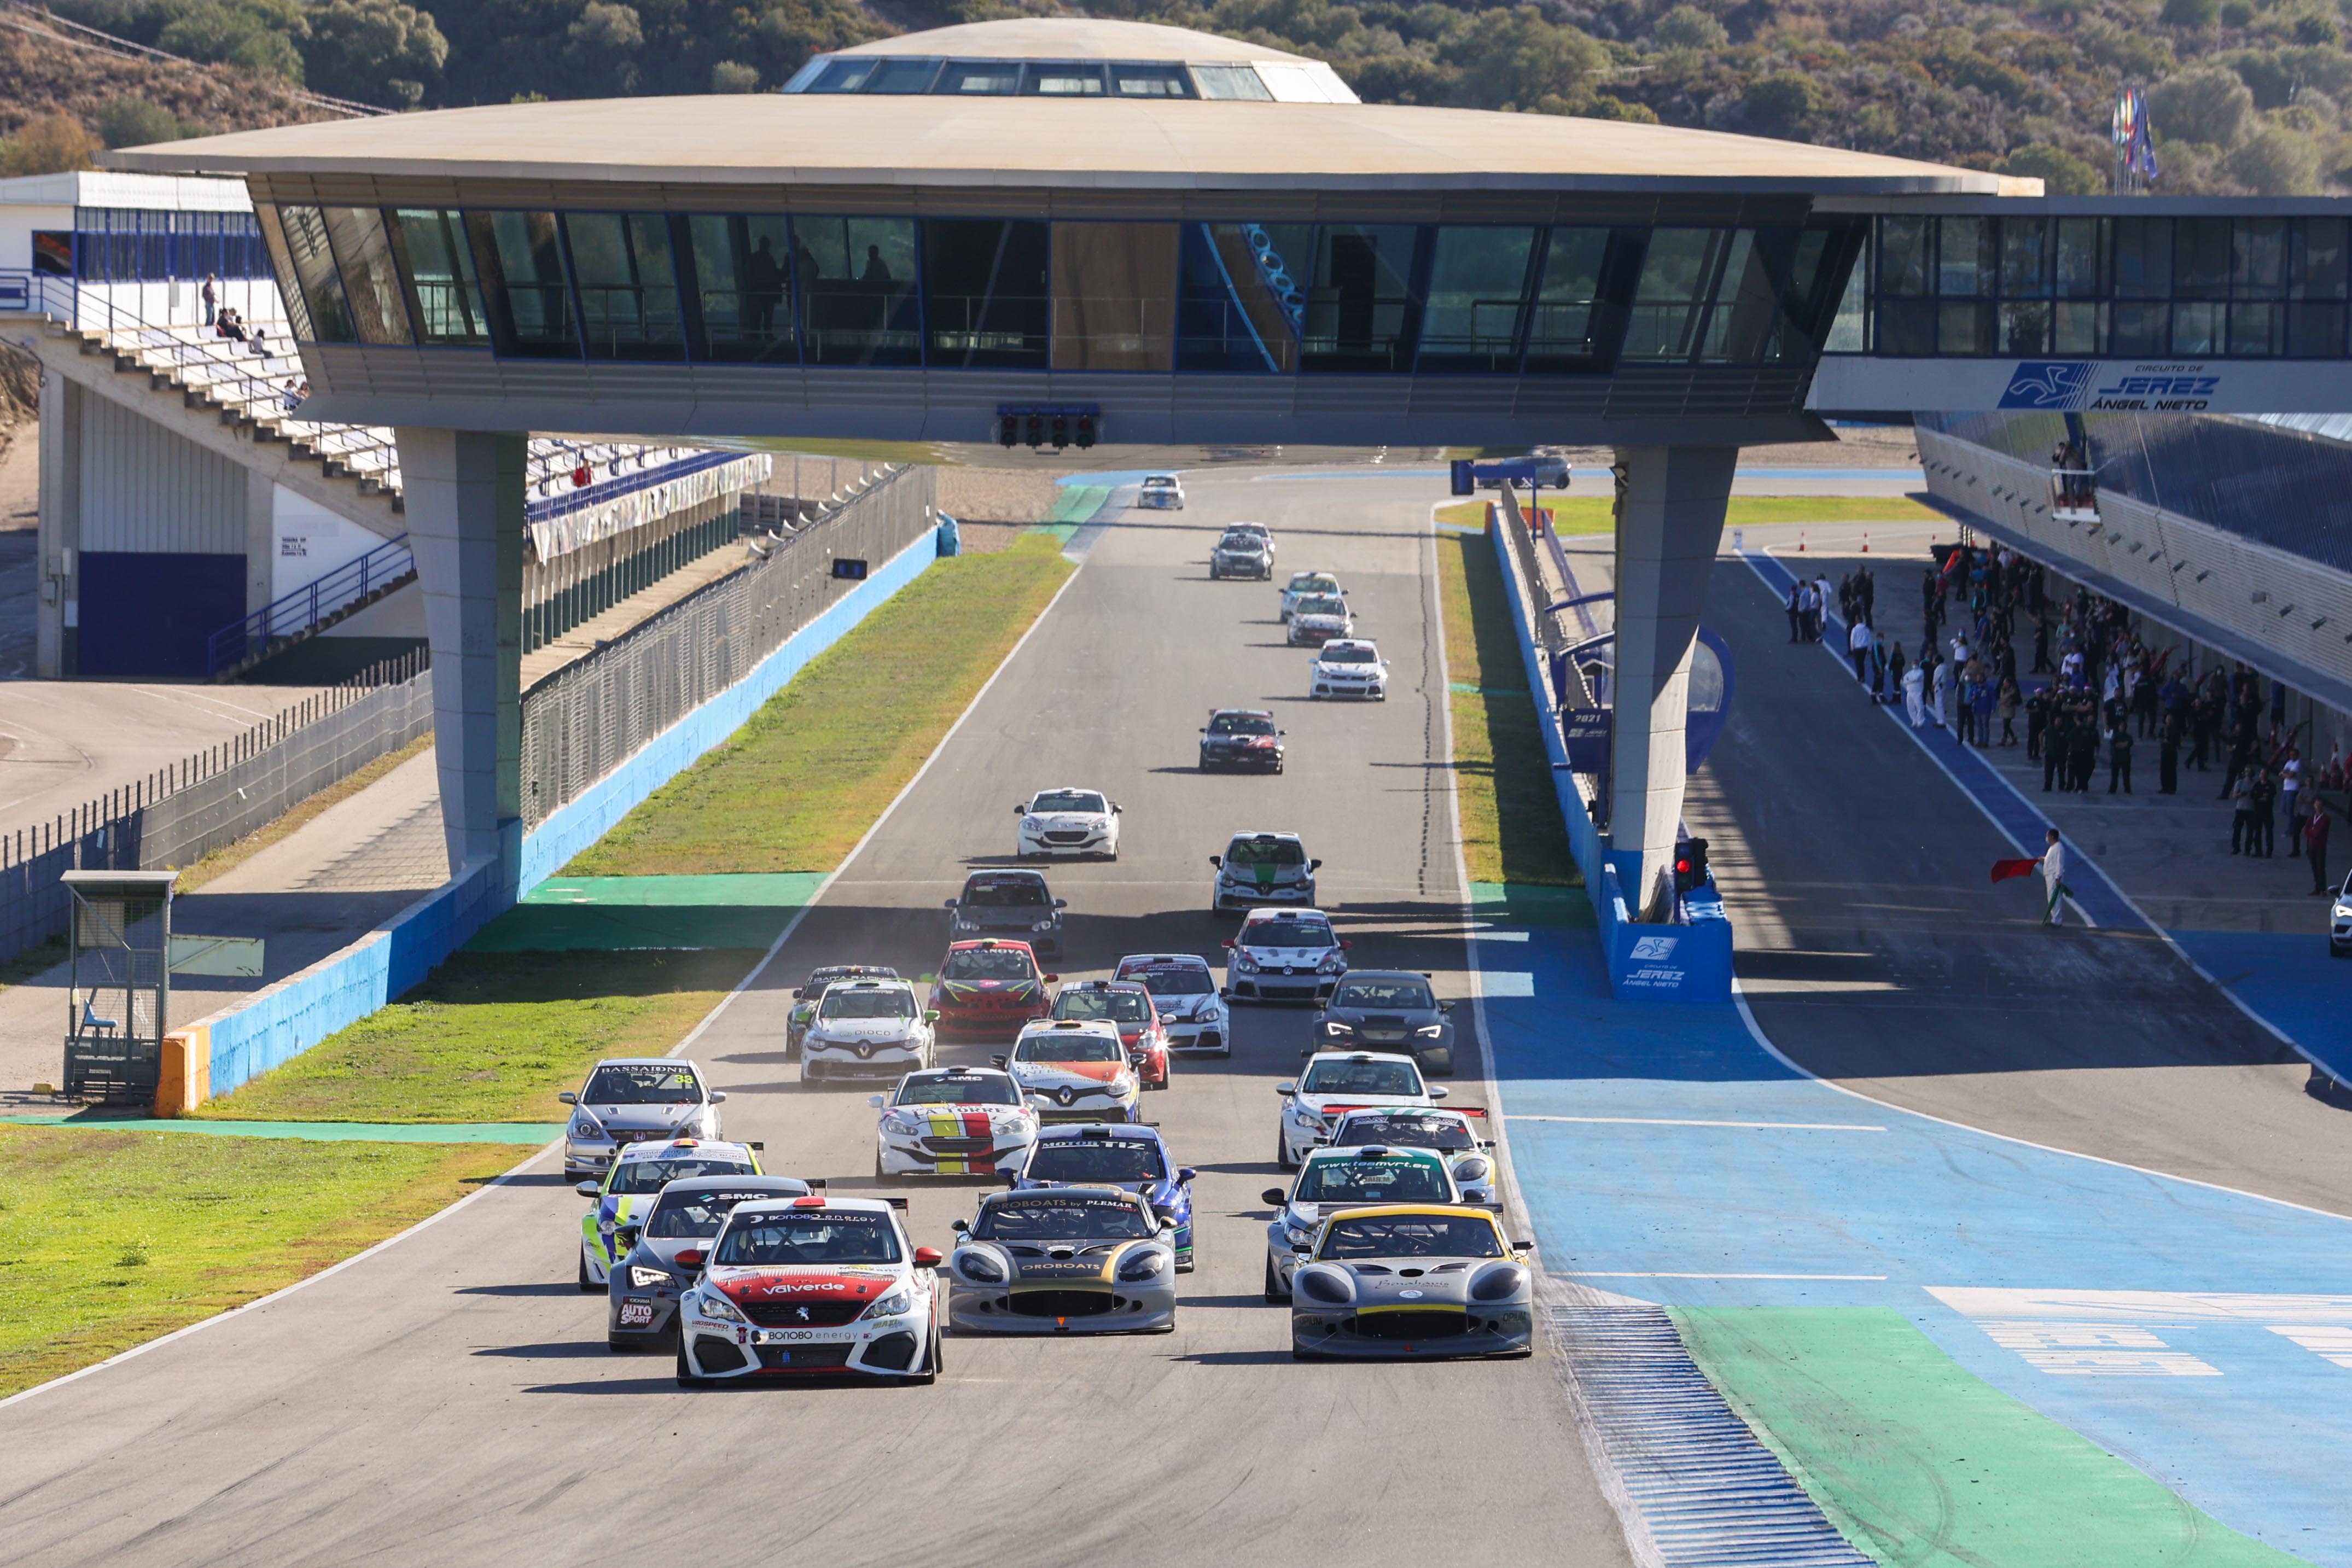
(981, 77)
(445, 298)
(623, 263)
(1063, 81)
(1150, 81)
(524, 290)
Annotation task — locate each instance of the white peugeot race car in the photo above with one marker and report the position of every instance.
(1284, 956)
(1076, 1070)
(1317, 618)
(1067, 821)
(866, 1027)
(817, 1285)
(1303, 583)
(1184, 990)
(1469, 1158)
(1334, 1085)
(1349, 667)
(952, 1121)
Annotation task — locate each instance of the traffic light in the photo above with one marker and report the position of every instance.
(1037, 430)
(1690, 865)
(1008, 430)
(1061, 431)
(1086, 431)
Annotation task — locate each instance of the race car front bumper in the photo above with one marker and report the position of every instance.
(1270, 986)
(1052, 1112)
(1064, 841)
(1266, 756)
(819, 1060)
(881, 1347)
(642, 1319)
(1207, 1034)
(1431, 1333)
(1249, 895)
(904, 1156)
(1058, 1309)
(1375, 691)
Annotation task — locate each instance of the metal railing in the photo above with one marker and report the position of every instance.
(290, 615)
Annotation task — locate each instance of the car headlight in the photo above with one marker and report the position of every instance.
(979, 1269)
(712, 1304)
(2344, 912)
(583, 1126)
(1041, 926)
(891, 1305)
(901, 1121)
(1474, 1170)
(1245, 964)
(643, 1279)
(1339, 1030)
(1499, 1283)
(1429, 1031)
(1030, 822)
(1295, 1234)
(1332, 965)
(966, 923)
(1144, 1266)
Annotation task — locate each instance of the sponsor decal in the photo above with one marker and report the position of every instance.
(2048, 384)
(1651, 949)
(2068, 385)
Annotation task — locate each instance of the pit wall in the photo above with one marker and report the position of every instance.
(1688, 961)
(271, 1027)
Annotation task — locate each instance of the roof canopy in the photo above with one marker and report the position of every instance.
(1070, 38)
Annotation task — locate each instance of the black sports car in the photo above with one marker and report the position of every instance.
(1008, 904)
(1389, 1010)
(1241, 737)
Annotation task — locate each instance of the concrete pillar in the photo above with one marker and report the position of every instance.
(464, 493)
(57, 599)
(1666, 538)
(260, 539)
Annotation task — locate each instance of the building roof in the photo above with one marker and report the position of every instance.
(1070, 38)
(107, 188)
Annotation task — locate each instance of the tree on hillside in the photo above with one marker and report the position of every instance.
(376, 51)
(134, 122)
(263, 35)
(48, 144)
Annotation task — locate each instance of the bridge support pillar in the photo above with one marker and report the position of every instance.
(464, 492)
(1670, 526)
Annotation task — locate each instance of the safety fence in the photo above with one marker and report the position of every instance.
(177, 815)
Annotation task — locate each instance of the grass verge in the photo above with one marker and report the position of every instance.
(493, 1037)
(1511, 831)
(228, 857)
(1596, 514)
(108, 1239)
(795, 787)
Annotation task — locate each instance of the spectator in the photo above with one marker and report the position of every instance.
(1877, 668)
(2259, 823)
(2119, 753)
(1981, 696)
(2084, 751)
(2056, 740)
(2053, 880)
(2167, 756)
(2037, 722)
(296, 390)
(1915, 684)
(2008, 700)
(210, 293)
(1866, 591)
(1896, 689)
(1943, 678)
(1857, 645)
(2290, 785)
(2242, 829)
(2314, 846)
(1796, 613)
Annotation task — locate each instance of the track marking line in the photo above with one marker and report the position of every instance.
(1680, 1122)
(1655, 1274)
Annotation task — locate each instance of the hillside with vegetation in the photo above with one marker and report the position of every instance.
(2247, 96)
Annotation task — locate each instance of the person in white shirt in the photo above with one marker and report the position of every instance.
(2290, 797)
(1914, 701)
(2053, 880)
(1824, 596)
(1857, 645)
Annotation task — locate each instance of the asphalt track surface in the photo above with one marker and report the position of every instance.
(1874, 950)
(450, 1399)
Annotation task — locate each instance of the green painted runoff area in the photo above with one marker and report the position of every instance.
(1075, 510)
(326, 1132)
(621, 914)
(1922, 1464)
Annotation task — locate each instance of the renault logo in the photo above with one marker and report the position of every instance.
(1065, 1094)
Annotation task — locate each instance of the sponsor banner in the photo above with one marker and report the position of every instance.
(2052, 385)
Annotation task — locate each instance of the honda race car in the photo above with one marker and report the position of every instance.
(1308, 584)
(865, 1027)
(1132, 1157)
(1067, 821)
(952, 1121)
(1333, 1085)
(1348, 668)
(1261, 869)
(1426, 1280)
(988, 989)
(828, 1286)
(807, 997)
(663, 1255)
(1184, 994)
(629, 1099)
(1070, 1260)
(1075, 1071)
(1317, 618)
(1333, 1179)
(1469, 1158)
(1015, 904)
(1284, 956)
(1128, 1006)
(627, 1193)
(1389, 1010)
(1241, 737)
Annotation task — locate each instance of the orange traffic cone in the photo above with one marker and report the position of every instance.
(1800, 541)
(1865, 544)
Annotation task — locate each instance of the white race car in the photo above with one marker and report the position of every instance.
(1469, 1158)
(1349, 667)
(1264, 535)
(1284, 956)
(1303, 583)
(866, 1027)
(1075, 1070)
(1184, 989)
(952, 1121)
(817, 1285)
(1160, 492)
(630, 1099)
(1317, 618)
(1345, 1178)
(1333, 1085)
(1067, 821)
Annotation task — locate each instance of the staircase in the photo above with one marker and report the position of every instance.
(298, 616)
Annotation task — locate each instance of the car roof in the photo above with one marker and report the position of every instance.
(1388, 974)
(647, 1149)
(784, 1205)
(1240, 712)
(1153, 478)
(955, 1069)
(844, 971)
(778, 1186)
(869, 983)
(1068, 789)
(1371, 1112)
(1259, 835)
(1005, 879)
(1349, 646)
(1101, 1131)
(1284, 912)
(1400, 1210)
(1365, 1152)
(992, 942)
(642, 1061)
(1324, 1056)
(1110, 985)
(1069, 1026)
(1164, 961)
(1071, 1189)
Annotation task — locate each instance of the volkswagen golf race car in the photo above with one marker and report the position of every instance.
(817, 1285)
(1334, 1085)
(1429, 1281)
(1317, 618)
(1069, 820)
(1333, 1179)
(629, 1188)
(1389, 1010)
(988, 989)
(863, 1026)
(1184, 993)
(952, 1121)
(1068, 1260)
(1284, 956)
(807, 997)
(628, 1099)
(1075, 1071)
(1241, 737)
(1307, 585)
(1132, 1157)
(1008, 904)
(1129, 1007)
(665, 1254)
(1261, 869)
(1348, 667)
(1468, 1157)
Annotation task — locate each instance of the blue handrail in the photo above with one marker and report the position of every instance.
(295, 612)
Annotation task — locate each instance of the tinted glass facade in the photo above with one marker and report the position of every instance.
(113, 245)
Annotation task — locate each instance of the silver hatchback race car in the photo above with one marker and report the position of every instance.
(1064, 1259)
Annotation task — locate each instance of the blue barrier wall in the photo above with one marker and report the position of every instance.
(273, 1025)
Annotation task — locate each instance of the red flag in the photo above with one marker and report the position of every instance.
(2004, 869)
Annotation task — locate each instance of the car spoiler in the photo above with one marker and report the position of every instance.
(898, 1203)
(815, 1184)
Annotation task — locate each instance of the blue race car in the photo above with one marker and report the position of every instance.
(1128, 1155)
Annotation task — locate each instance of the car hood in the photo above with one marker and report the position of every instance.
(1385, 1018)
(805, 1282)
(1319, 618)
(1078, 1074)
(1356, 671)
(1245, 741)
(1080, 1262)
(962, 990)
(1433, 1282)
(1067, 821)
(855, 1030)
(966, 1121)
(1296, 958)
(1001, 917)
(1266, 876)
(634, 1118)
(1176, 1009)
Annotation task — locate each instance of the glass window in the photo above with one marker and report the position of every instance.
(1847, 331)
(1964, 257)
(1114, 299)
(289, 286)
(1230, 81)
(1563, 324)
(1238, 307)
(2196, 329)
(370, 282)
(1746, 326)
(2257, 329)
(1063, 80)
(320, 292)
(445, 297)
(2139, 328)
(2314, 331)
(2024, 259)
(2258, 259)
(1478, 281)
(2200, 259)
(53, 251)
(742, 279)
(1670, 300)
(2076, 272)
(984, 300)
(1966, 326)
(980, 77)
(1359, 307)
(520, 258)
(628, 284)
(903, 76)
(1150, 81)
(1906, 328)
(856, 283)
(842, 76)
(2078, 327)
(2142, 261)
(2024, 327)
(2318, 259)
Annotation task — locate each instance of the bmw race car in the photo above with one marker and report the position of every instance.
(817, 1285)
(1317, 618)
(952, 1121)
(1348, 667)
(1129, 1006)
(1284, 956)
(1161, 492)
(1261, 869)
(807, 997)
(663, 1255)
(1333, 1179)
(1075, 1070)
(1469, 1158)
(863, 1026)
(988, 989)
(1001, 904)
(1241, 737)
(1130, 1156)
(1334, 1085)
(627, 1100)
(1426, 1280)
(1068, 1260)
(1067, 821)
(1308, 584)
(1184, 993)
(628, 1189)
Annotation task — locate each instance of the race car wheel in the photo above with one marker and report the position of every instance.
(587, 1285)
(879, 1173)
(1282, 1154)
(1274, 1291)
(932, 1361)
(686, 1377)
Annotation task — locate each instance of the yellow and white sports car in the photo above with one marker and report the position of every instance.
(952, 1121)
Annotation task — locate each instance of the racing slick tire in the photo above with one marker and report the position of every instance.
(587, 1285)
(1274, 1291)
(686, 1377)
(932, 1361)
(1282, 1159)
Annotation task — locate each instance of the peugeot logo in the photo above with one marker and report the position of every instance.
(1065, 1094)
(804, 1317)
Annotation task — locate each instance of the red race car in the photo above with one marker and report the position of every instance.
(1129, 1006)
(987, 989)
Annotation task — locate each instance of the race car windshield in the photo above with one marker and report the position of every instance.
(652, 1175)
(1061, 1220)
(1176, 982)
(1097, 1159)
(1157, 481)
(1361, 1078)
(988, 964)
(1287, 933)
(1349, 653)
(1372, 1181)
(1322, 604)
(1119, 1006)
(1238, 541)
(1070, 1046)
(1069, 800)
(1394, 995)
(881, 1003)
(1246, 853)
(1411, 1236)
(973, 1091)
(1241, 723)
(1314, 582)
(1405, 1132)
(1004, 894)
(696, 1217)
(772, 1240)
(651, 1084)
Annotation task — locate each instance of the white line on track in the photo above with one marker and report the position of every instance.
(1678, 1122)
(1646, 1274)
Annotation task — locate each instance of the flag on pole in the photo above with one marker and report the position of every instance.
(2005, 870)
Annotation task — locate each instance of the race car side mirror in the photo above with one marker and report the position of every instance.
(1344, 945)
(931, 1015)
(1446, 1007)
(1485, 1142)
(1523, 1246)
(1061, 904)
(1285, 1090)
(1228, 944)
(1438, 1091)
(716, 1095)
(1051, 980)
(1217, 861)
(997, 1061)
(875, 1101)
(928, 1257)
(1274, 1194)
(624, 1238)
(960, 1226)
(1020, 810)
(948, 903)
(1186, 1173)
(690, 1259)
(1314, 866)
(587, 1189)
(569, 1098)
(1116, 809)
